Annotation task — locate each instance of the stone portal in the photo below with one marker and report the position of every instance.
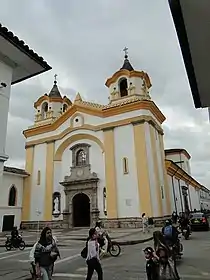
(81, 190)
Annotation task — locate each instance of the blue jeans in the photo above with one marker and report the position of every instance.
(46, 272)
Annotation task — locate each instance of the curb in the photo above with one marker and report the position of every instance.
(122, 243)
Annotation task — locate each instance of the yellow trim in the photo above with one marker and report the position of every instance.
(169, 152)
(142, 169)
(129, 74)
(110, 173)
(166, 183)
(156, 170)
(125, 165)
(68, 130)
(27, 184)
(100, 112)
(49, 181)
(173, 168)
(52, 99)
(73, 138)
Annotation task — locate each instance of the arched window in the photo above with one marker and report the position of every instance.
(123, 87)
(64, 107)
(12, 196)
(44, 110)
(81, 158)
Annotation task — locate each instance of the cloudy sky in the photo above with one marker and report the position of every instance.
(83, 42)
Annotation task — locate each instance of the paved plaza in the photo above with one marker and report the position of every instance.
(130, 265)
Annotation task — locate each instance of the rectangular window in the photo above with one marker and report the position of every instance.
(38, 177)
(162, 192)
(125, 165)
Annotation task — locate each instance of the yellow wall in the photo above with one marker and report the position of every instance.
(49, 181)
(142, 169)
(110, 173)
(156, 170)
(166, 184)
(27, 184)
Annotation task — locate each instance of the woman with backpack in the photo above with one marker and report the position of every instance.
(167, 268)
(92, 259)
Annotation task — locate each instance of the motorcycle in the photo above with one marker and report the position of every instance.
(113, 248)
(19, 244)
(177, 250)
(186, 233)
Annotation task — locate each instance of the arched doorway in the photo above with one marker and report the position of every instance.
(81, 210)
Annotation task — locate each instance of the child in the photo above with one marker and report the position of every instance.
(151, 264)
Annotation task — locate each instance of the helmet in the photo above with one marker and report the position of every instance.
(168, 222)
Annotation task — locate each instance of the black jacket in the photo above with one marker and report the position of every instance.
(152, 270)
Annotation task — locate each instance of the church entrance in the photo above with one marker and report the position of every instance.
(81, 210)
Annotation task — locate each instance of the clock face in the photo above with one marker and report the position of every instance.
(80, 172)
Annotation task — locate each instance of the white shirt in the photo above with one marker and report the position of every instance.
(92, 250)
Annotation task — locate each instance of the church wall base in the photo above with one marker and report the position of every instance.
(134, 222)
(33, 225)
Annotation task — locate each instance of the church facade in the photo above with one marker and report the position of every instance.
(90, 161)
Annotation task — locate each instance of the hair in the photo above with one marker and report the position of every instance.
(43, 240)
(143, 215)
(159, 241)
(92, 231)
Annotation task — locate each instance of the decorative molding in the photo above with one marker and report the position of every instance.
(102, 112)
(101, 127)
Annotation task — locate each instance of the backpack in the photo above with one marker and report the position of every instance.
(84, 251)
(168, 231)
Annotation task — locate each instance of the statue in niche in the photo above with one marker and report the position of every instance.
(56, 206)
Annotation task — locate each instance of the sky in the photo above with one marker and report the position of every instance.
(83, 42)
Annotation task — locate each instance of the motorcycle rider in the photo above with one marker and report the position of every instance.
(102, 236)
(171, 236)
(170, 233)
(15, 236)
(185, 223)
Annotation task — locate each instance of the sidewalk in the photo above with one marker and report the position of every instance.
(66, 237)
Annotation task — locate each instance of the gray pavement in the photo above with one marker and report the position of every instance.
(64, 237)
(129, 265)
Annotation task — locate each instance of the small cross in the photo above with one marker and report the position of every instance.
(126, 51)
(55, 76)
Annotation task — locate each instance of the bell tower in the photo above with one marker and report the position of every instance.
(128, 84)
(51, 106)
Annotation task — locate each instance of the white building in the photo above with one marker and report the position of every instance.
(184, 189)
(17, 63)
(205, 199)
(90, 161)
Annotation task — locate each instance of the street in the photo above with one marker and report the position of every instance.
(130, 265)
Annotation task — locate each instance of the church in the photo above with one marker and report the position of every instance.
(89, 161)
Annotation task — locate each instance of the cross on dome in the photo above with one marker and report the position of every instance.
(55, 79)
(126, 52)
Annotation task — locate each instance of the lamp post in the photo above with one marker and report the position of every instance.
(38, 212)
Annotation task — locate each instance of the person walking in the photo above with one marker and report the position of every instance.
(45, 254)
(144, 223)
(92, 260)
(174, 217)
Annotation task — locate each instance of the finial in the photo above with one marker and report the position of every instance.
(55, 79)
(78, 98)
(126, 52)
